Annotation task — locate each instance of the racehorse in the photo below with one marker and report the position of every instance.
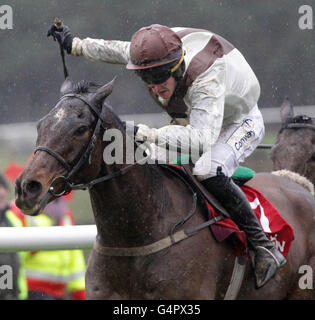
(294, 149)
(136, 205)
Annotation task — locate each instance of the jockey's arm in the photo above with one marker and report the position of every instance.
(206, 97)
(110, 51)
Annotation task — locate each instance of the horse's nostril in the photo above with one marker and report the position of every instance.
(32, 188)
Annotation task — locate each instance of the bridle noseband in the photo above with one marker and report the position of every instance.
(66, 181)
(299, 122)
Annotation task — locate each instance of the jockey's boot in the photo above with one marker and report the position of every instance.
(267, 258)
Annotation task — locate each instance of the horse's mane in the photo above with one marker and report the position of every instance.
(84, 86)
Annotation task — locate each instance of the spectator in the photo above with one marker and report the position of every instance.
(14, 260)
(51, 275)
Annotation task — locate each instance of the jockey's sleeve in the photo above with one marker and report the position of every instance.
(206, 97)
(110, 51)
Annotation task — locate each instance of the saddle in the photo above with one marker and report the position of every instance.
(240, 177)
(276, 228)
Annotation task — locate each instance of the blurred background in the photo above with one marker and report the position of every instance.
(266, 32)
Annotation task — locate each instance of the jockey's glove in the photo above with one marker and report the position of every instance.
(145, 133)
(63, 36)
(130, 128)
(140, 132)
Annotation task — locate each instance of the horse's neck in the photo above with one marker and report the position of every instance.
(132, 209)
(138, 207)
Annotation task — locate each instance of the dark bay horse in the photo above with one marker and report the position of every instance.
(294, 149)
(142, 206)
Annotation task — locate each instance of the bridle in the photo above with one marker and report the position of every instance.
(66, 181)
(299, 122)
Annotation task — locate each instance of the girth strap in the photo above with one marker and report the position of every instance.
(155, 246)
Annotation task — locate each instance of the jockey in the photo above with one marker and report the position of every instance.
(205, 84)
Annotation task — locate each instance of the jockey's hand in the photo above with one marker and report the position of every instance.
(63, 36)
(130, 128)
(144, 133)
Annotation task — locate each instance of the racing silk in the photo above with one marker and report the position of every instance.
(219, 87)
(54, 272)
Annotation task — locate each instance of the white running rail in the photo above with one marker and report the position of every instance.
(14, 239)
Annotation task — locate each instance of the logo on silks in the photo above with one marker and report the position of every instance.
(6, 17)
(6, 277)
(242, 137)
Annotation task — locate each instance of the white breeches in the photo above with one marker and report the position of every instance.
(235, 143)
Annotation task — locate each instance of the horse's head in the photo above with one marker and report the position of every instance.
(295, 146)
(64, 139)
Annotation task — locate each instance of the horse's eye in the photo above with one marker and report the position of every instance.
(81, 131)
(313, 157)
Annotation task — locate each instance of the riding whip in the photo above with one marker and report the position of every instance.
(59, 27)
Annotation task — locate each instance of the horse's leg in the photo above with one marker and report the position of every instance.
(190, 272)
(97, 285)
(185, 271)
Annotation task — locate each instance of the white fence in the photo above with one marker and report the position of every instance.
(47, 238)
(21, 136)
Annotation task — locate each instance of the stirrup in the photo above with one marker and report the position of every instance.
(279, 263)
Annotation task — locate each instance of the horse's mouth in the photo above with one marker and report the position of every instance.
(34, 209)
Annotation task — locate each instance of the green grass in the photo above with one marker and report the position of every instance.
(269, 138)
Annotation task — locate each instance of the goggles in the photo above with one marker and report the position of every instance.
(154, 77)
(158, 75)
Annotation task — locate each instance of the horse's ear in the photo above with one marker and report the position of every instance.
(286, 110)
(66, 87)
(103, 92)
